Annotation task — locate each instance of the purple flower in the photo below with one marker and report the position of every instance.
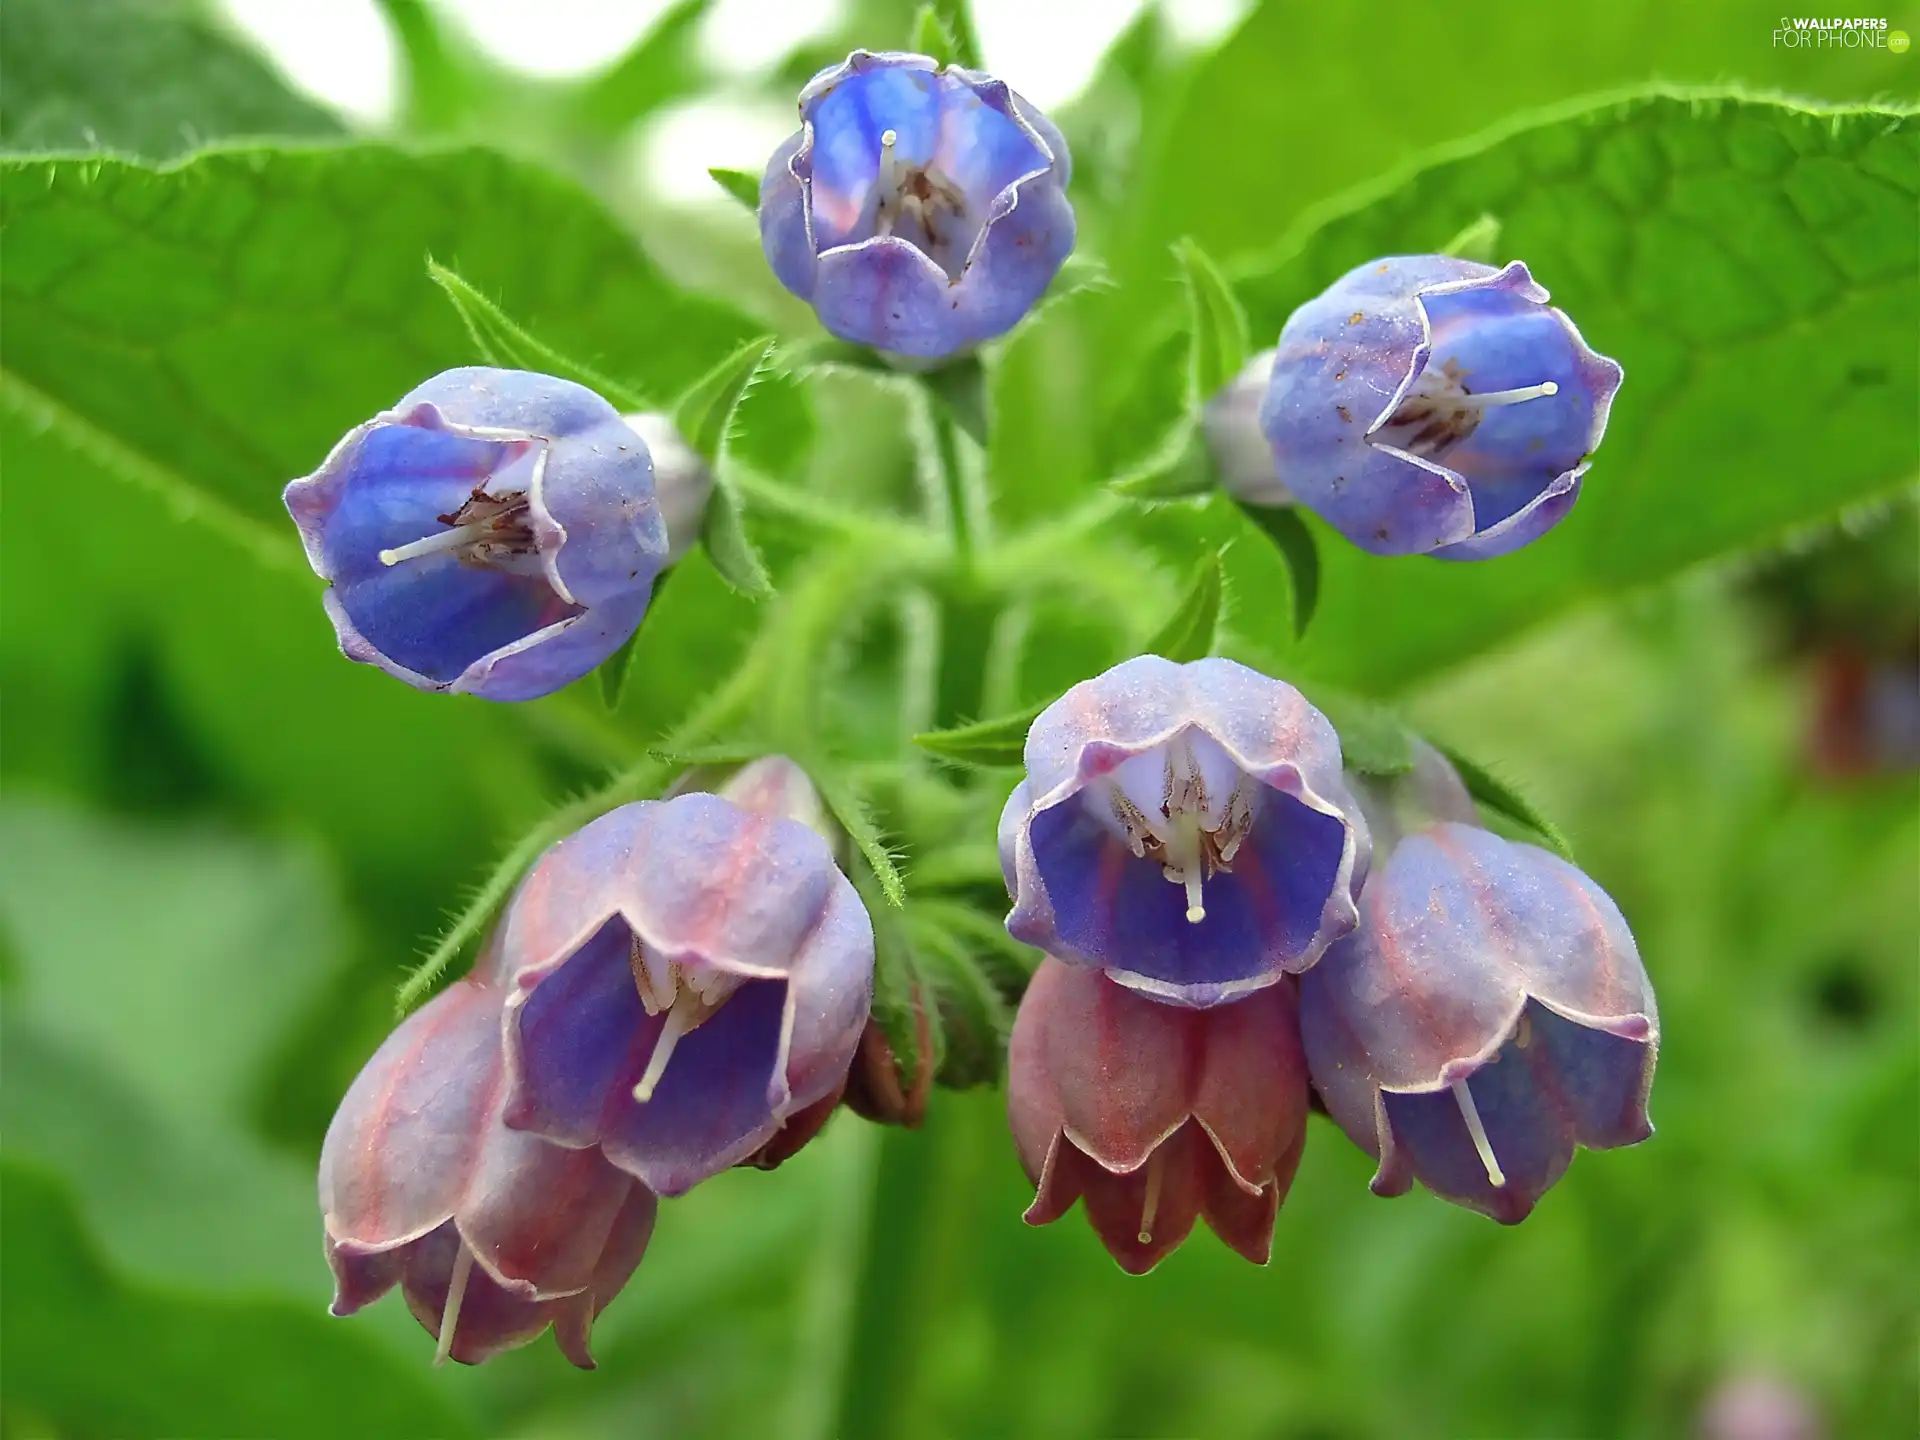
(1428, 404)
(1156, 1115)
(688, 976)
(1185, 828)
(494, 534)
(919, 209)
(492, 1234)
(1489, 1012)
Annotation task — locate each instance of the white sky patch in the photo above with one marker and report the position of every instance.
(557, 39)
(741, 37)
(341, 53)
(675, 147)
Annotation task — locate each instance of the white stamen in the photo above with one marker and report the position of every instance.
(433, 544)
(456, 1296)
(1152, 1203)
(1196, 912)
(1510, 397)
(684, 1015)
(1464, 1099)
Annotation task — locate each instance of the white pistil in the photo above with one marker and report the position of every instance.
(1510, 397)
(456, 1296)
(685, 1014)
(1464, 1099)
(887, 184)
(452, 539)
(1189, 849)
(1152, 1203)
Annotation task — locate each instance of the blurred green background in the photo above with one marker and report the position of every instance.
(221, 845)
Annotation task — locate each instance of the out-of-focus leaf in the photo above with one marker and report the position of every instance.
(143, 77)
(739, 184)
(1188, 632)
(501, 342)
(1216, 325)
(182, 1362)
(1178, 468)
(961, 386)
(1756, 269)
(730, 548)
(1479, 240)
(1503, 798)
(931, 36)
(955, 21)
(1291, 537)
(660, 67)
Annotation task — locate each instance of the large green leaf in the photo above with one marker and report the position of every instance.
(1755, 267)
(229, 318)
(103, 1354)
(146, 77)
(1305, 100)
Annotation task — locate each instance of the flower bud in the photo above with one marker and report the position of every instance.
(1186, 828)
(1426, 404)
(1230, 422)
(682, 481)
(920, 208)
(495, 533)
(492, 1234)
(1156, 1115)
(1489, 1013)
(686, 976)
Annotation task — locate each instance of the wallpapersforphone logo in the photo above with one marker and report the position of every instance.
(1858, 33)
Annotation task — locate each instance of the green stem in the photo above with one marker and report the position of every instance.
(946, 455)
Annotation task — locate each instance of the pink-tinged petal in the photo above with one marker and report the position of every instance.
(539, 1214)
(1251, 1095)
(1139, 1237)
(1118, 1066)
(427, 1094)
(361, 1277)
(491, 1319)
(626, 1243)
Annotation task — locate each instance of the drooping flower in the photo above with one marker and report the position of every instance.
(920, 208)
(1426, 404)
(491, 1233)
(496, 533)
(1186, 828)
(1489, 1013)
(1156, 1115)
(688, 977)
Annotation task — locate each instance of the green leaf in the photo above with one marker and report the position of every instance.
(952, 22)
(739, 184)
(501, 342)
(186, 1362)
(661, 66)
(729, 547)
(1217, 345)
(704, 415)
(961, 386)
(613, 672)
(1503, 799)
(985, 743)
(1479, 241)
(1755, 268)
(1373, 740)
(931, 36)
(850, 808)
(1283, 525)
(143, 77)
(1178, 468)
(974, 1017)
(1345, 92)
(1189, 632)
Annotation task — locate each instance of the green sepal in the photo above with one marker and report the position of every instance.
(1188, 633)
(1217, 344)
(1504, 800)
(739, 184)
(501, 342)
(1283, 525)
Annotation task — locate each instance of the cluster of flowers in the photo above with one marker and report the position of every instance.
(1231, 924)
